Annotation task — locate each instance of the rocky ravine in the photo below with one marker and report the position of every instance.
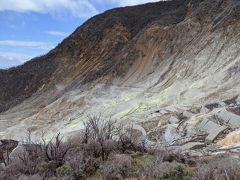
(171, 68)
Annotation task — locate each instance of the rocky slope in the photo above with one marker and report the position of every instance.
(169, 67)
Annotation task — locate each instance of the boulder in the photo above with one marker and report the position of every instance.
(204, 110)
(171, 109)
(238, 100)
(214, 134)
(221, 104)
(14, 155)
(193, 146)
(8, 145)
(187, 114)
(171, 133)
(162, 111)
(232, 119)
(173, 120)
(232, 139)
(2, 167)
(140, 128)
(207, 126)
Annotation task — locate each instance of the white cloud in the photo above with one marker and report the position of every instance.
(78, 8)
(33, 44)
(8, 60)
(131, 2)
(57, 33)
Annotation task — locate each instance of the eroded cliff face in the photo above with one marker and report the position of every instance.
(88, 54)
(128, 64)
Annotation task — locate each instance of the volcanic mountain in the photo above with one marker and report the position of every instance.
(133, 64)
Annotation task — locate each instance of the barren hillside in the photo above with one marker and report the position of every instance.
(144, 64)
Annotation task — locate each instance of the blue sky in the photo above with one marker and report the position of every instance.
(30, 28)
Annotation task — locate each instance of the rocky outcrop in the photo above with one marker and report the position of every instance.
(6, 147)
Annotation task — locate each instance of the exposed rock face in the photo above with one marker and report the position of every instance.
(89, 53)
(128, 63)
(6, 147)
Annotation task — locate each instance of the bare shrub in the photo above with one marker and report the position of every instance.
(34, 152)
(162, 168)
(43, 158)
(26, 166)
(47, 169)
(171, 156)
(65, 171)
(81, 163)
(22, 163)
(40, 158)
(30, 177)
(101, 137)
(116, 168)
(218, 168)
(93, 148)
(110, 146)
(56, 149)
(129, 139)
(98, 132)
